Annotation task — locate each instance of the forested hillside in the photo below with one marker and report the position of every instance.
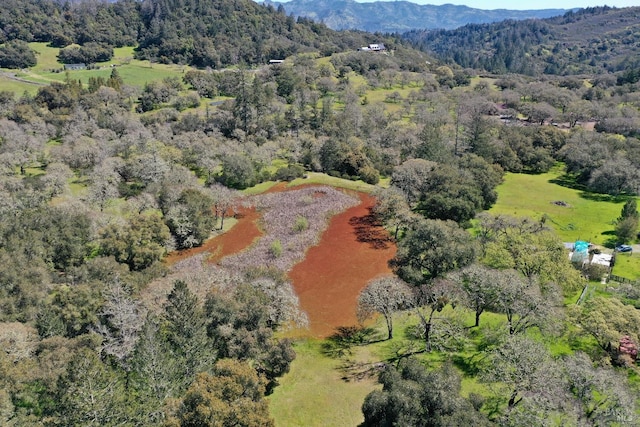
(119, 305)
(401, 16)
(592, 40)
(202, 33)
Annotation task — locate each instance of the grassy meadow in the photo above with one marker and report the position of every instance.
(627, 265)
(573, 214)
(581, 216)
(133, 72)
(313, 393)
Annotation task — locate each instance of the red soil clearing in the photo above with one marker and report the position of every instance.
(239, 237)
(353, 250)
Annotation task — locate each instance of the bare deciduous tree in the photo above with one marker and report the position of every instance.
(384, 295)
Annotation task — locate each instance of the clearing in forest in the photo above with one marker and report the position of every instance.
(353, 250)
(327, 239)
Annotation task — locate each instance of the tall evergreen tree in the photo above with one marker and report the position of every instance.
(187, 332)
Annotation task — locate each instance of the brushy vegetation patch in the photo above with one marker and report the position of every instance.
(283, 245)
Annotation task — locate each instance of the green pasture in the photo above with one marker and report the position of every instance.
(136, 73)
(627, 265)
(18, 87)
(584, 215)
(313, 393)
(573, 214)
(133, 72)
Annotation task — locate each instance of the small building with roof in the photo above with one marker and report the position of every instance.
(374, 47)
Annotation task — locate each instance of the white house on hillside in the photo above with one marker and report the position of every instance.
(374, 47)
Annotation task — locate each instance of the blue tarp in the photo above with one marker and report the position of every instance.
(580, 251)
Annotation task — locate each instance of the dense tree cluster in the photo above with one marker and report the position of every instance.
(564, 45)
(201, 33)
(412, 395)
(62, 24)
(88, 54)
(17, 54)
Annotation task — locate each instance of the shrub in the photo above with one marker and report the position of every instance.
(276, 248)
(289, 173)
(237, 172)
(595, 272)
(301, 224)
(369, 175)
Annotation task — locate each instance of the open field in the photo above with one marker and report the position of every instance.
(133, 72)
(573, 214)
(313, 394)
(580, 216)
(18, 87)
(627, 265)
(352, 251)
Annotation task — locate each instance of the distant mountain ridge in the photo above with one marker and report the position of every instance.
(401, 16)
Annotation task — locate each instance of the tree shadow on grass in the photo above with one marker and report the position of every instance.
(340, 346)
(569, 180)
(469, 365)
(342, 341)
(357, 371)
(601, 197)
(369, 230)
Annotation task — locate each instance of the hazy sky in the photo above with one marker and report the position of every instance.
(529, 4)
